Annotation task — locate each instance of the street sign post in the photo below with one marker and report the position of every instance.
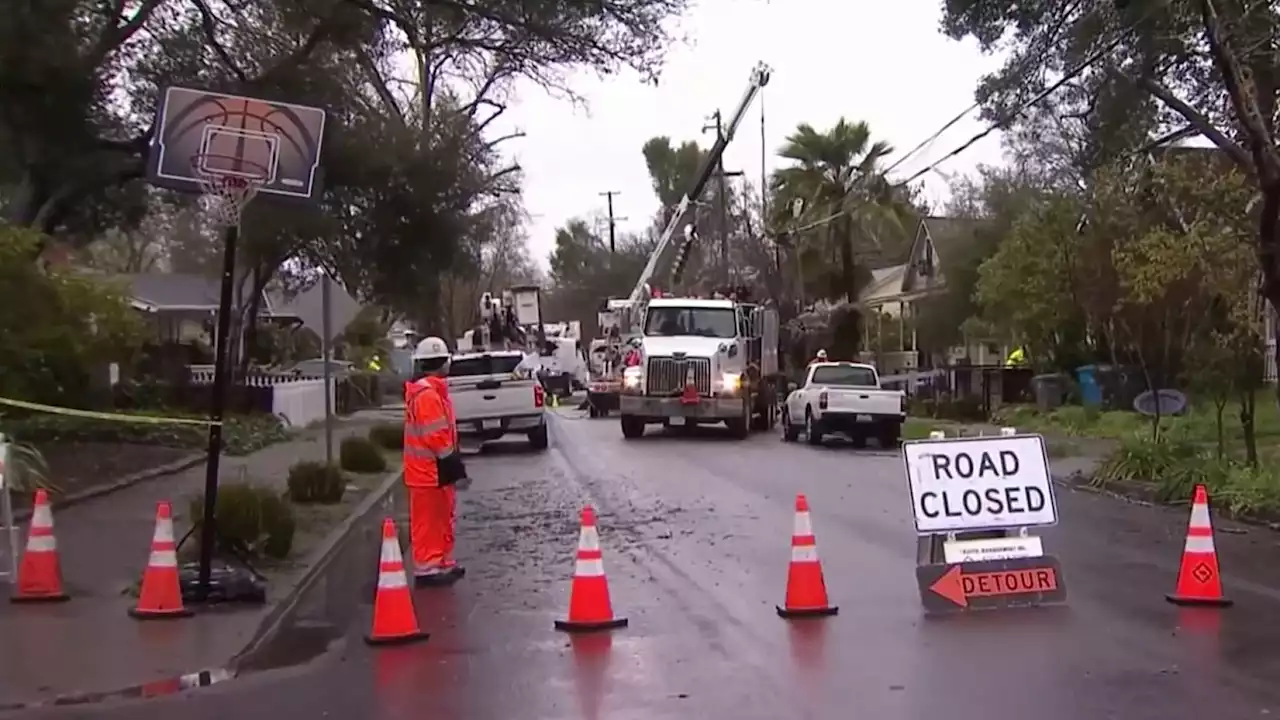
(1017, 582)
(979, 483)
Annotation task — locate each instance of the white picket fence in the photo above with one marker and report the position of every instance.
(298, 401)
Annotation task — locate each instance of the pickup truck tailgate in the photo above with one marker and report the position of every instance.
(864, 401)
(476, 397)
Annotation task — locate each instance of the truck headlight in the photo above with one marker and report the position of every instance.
(632, 378)
(731, 381)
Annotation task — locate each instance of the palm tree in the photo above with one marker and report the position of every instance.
(837, 174)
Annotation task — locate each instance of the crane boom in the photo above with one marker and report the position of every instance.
(759, 78)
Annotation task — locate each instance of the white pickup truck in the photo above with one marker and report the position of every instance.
(494, 394)
(844, 398)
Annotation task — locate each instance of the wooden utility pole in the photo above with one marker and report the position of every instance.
(722, 196)
(613, 221)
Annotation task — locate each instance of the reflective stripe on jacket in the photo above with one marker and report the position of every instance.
(428, 434)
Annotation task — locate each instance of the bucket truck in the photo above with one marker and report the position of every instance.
(702, 360)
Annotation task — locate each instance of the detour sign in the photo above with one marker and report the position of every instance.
(993, 584)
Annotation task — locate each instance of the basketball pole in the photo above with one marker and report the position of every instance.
(217, 409)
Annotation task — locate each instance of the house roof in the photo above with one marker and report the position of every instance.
(307, 305)
(945, 234)
(177, 291)
(885, 283)
(949, 232)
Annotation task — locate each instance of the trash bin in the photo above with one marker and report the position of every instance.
(1090, 390)
(1049, 391)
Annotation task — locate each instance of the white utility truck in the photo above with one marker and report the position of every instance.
(844, 398)
(496, 394)
(701, 359)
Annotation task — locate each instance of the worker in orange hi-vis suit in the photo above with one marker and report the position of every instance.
(432, 465)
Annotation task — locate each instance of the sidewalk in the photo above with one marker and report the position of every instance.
(90, 644)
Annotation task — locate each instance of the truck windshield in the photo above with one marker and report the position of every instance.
(844, 375)
(484, 365)
(705, 322)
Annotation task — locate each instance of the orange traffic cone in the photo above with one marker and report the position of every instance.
(806, 589)
(40, 575)
(1199, 582)
(161, 594)
(394, 619)
(589, 606)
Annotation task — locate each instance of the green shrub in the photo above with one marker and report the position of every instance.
(1173, 466)
(241, 434)
(963, 409)
(250, 519)
(387, 435)
(316, 482)
(358, 454)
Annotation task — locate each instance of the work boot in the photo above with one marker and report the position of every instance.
(437, 576)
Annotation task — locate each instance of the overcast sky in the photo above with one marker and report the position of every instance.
(882, 62)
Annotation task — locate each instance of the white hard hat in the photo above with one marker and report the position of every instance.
(431, 348)
(821, 353)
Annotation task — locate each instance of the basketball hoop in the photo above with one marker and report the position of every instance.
(226, 193)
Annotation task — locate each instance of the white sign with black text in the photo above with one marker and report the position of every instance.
(967, 551)
(982, 483)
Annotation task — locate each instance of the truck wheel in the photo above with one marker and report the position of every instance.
(890, 441)
(632, 428)
(790, 433)
(538, 438)
(859, 441)
(593, 412)
(812, 433)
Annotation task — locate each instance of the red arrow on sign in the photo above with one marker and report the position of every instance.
(958, 586)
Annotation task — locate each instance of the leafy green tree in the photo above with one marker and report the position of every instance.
(995, 198)
(1027, 289)
(1205, 68)
(59, 327)
(837, 175)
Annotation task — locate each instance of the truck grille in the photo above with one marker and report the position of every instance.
(666, 375)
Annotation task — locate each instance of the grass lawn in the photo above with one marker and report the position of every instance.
(1198, 426)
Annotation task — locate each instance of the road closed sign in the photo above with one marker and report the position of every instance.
(983, 483)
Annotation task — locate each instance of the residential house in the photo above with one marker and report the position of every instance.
(183, 307)
(891, 300)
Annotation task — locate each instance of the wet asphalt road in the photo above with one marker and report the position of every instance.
(696, 534)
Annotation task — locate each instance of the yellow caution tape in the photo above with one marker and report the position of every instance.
(117, 417)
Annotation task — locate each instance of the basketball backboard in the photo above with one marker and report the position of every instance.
(201, 133)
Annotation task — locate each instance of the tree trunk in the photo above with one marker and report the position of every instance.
(848, 276)
(1247, 400)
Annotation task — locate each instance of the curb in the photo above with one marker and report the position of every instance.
(320, 559)
(127, 481)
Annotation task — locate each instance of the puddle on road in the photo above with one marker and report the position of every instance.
(296, 644)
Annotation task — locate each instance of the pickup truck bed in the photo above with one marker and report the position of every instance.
(845, 399)
(494, 396)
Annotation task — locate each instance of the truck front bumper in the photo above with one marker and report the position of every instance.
(660, 408)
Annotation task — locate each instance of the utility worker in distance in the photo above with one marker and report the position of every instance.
(1017, 358)
(432, 465)
(820, 357)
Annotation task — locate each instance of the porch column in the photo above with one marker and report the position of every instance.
(902, 326)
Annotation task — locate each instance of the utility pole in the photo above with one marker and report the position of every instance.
(722, 192)
(613, 221)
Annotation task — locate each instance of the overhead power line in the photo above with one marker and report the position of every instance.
(1000, 124)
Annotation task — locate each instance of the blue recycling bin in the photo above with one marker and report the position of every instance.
(1090, 390)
